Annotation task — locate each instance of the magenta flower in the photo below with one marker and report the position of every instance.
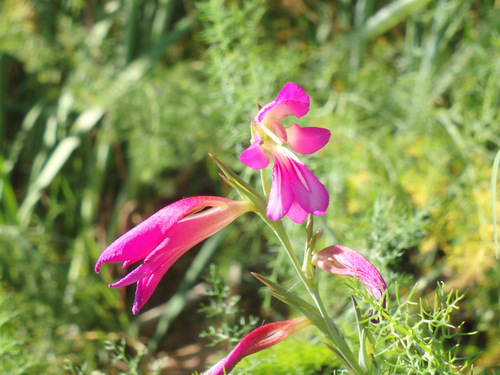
(161, 239)
(341, 260)
(295, 190)
(259, 339)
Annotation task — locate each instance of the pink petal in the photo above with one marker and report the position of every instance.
(195, 228)
(278, 128)
(291, 100)
(138, 242)
(308, 191)
(307, 140)
(147, 285)
(137, 274)
(145, 289)
(295, 191)
(254, 157)
(281, 194)
(296, 213)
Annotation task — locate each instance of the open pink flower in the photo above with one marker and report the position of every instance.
(162, 238)
(269, 135)
(341, 260)
(259, 339)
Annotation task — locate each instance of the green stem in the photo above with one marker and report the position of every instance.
(336, 337)
(347, 356)
(277, 226)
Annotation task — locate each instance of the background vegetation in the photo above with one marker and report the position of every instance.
(109, 108)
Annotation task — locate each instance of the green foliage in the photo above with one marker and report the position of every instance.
(418, 337)
(243, 60)
(230, 324)
(120, 358)
(120, 355)
(394, 230)
(107, 110)
(14, 358)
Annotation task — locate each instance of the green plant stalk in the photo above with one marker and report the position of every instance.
(344, 352)
(332, 332)
(311, 238)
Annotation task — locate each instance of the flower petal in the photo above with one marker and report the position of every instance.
(307, 140)
(138, 242)
(147, 285)
(296, 213)
(312, 196)
(254, 157)
(137, 274)
(197, 227)
(291, 100)
(145, 289)
(281, 194)
(308, 191)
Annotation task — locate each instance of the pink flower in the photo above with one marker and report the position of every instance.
(259, 339)
(341, 260)
(295, 191)
(161, 239)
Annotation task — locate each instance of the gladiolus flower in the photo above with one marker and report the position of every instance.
(259, 339)
(165, 236)
(295, 191)
(341, 260)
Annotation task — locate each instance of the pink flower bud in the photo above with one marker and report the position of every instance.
(259, 339)
(341, 260)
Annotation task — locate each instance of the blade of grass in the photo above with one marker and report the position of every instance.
(17, 145)
(49, 171)
(87, 120)
(3, 91)
(494, 179)
(448, 18)
(389, 16)
(7, 197)
(162, 19)
(131, 30)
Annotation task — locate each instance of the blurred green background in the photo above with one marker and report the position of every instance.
(108, 110)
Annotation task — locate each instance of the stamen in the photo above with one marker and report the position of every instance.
(270, 134)
(301, 176)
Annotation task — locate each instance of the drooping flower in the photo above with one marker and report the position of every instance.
(341, 260)
(259, 339)
(295, 190)
(165, 236)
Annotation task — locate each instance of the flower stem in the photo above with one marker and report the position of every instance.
(333, 333)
